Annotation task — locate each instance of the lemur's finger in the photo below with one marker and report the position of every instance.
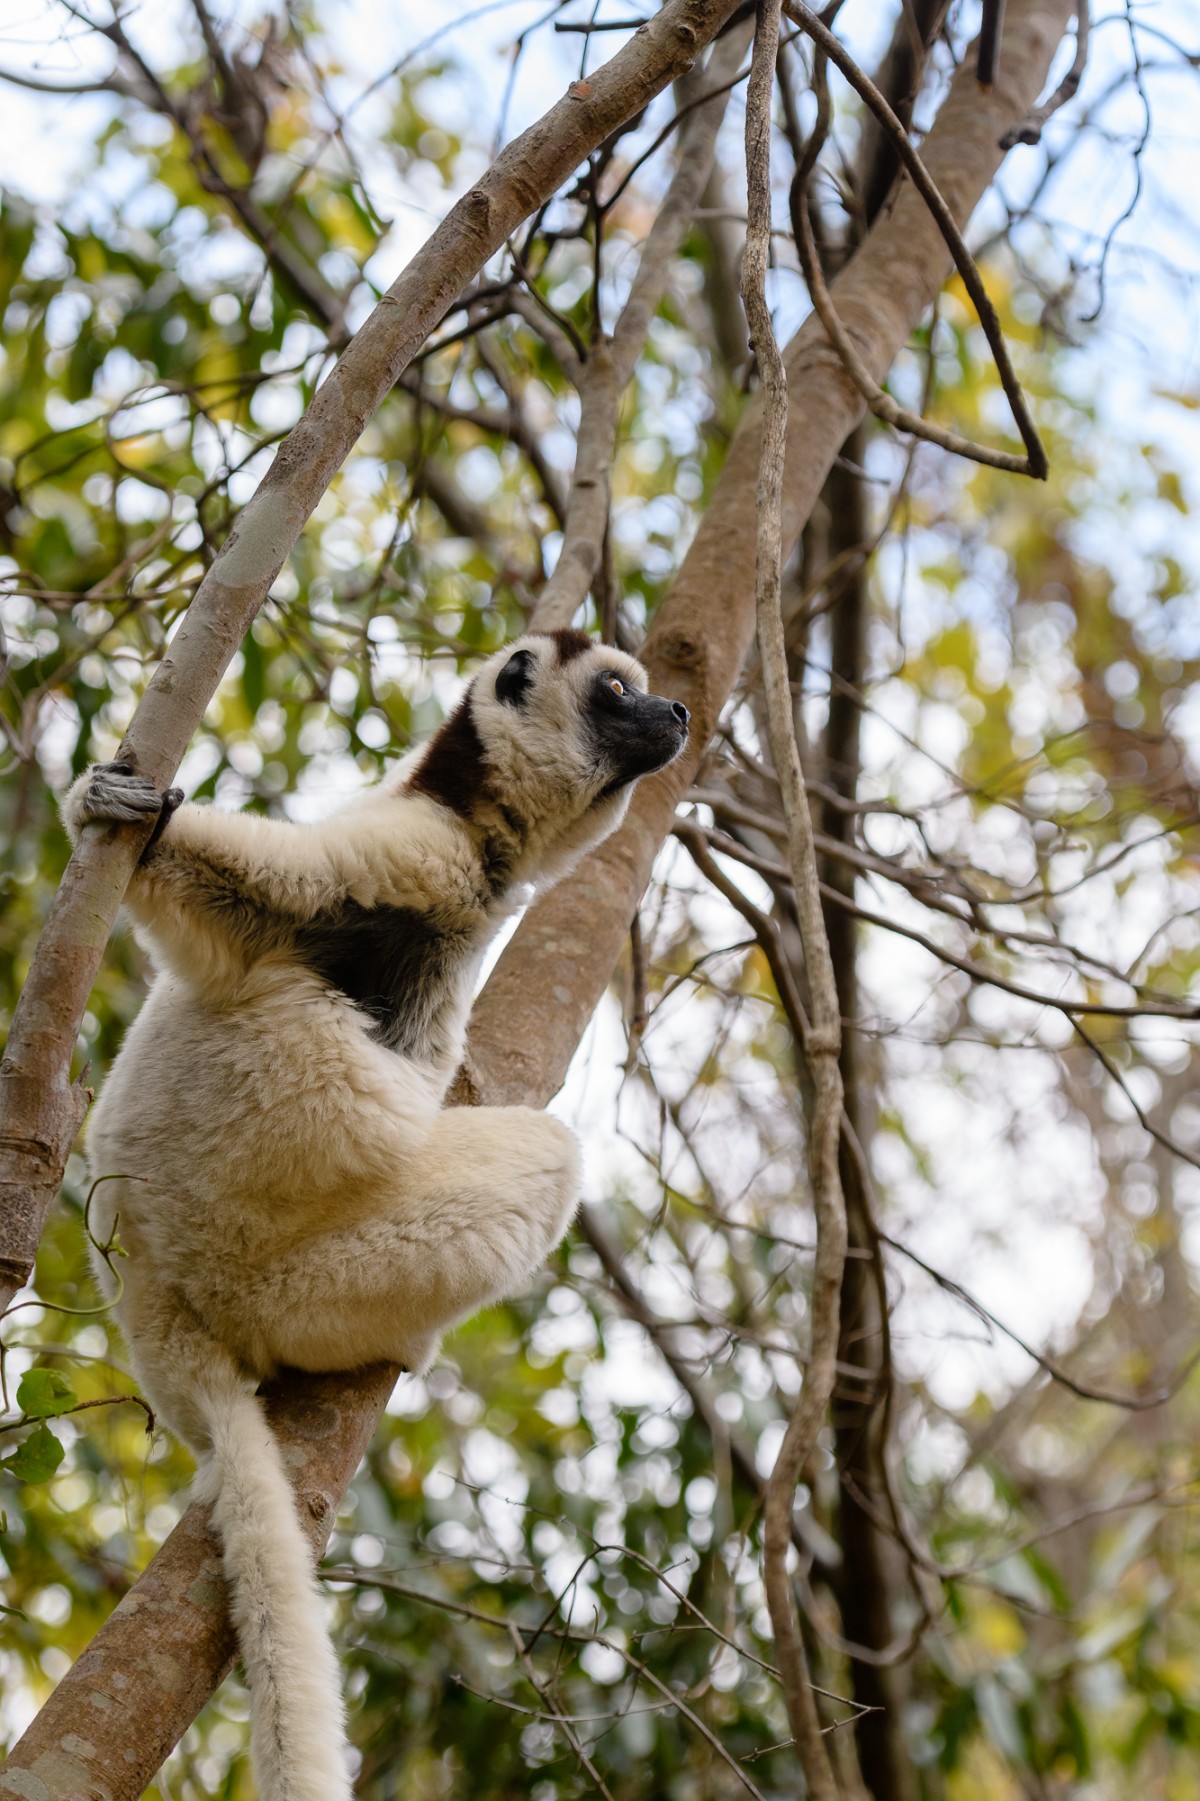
(116, 795)
(132, 790)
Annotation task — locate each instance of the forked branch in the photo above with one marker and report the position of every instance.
(1034, 462)
(1029, 131)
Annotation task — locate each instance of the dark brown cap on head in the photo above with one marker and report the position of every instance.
(570, 644)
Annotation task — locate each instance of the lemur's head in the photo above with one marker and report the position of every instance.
(548, 741)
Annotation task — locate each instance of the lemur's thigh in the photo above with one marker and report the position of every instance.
(490, 1194)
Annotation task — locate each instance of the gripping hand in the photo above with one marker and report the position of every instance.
(110, 794)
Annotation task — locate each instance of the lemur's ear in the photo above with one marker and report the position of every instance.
(513, 681)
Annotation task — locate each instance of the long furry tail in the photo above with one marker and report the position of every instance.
(297, 1719)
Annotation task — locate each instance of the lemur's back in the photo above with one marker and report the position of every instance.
(234, 1128)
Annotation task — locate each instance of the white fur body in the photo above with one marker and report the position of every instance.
(290, 1190)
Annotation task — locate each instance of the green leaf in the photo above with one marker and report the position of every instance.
(37, 1459)
(43, 1394)
(999, 1718)
(1170, 489)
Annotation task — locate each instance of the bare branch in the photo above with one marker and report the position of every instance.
(1085, 1391)
(877, 398)
(522, 433)
(546, 326)
(823, 1041)
(105, 84)
(764, 927)
(1029, 131)
(807, 1537)
(1072, 1010)
(546, 1696)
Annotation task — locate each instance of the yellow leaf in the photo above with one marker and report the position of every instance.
(998, 1629)
(217, 373)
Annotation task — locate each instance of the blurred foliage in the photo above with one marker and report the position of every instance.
(545, 1545)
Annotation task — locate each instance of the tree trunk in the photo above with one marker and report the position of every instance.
(866, 1578)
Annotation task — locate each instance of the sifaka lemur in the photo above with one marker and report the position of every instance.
(290, 1189)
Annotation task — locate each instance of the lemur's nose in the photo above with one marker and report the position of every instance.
(681, 713)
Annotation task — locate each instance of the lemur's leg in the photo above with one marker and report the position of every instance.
(485, 1201)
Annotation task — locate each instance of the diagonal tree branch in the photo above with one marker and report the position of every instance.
(172, 1629)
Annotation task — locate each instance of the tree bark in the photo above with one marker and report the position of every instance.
(40, 1108)
(866, 1577)
(168, 1644)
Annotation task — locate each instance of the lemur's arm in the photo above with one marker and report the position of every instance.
(203, 858)
(233, 885)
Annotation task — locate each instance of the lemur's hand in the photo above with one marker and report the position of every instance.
(110, 794)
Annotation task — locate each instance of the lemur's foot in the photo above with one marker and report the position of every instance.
(110, 794)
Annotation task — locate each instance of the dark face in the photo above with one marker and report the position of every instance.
(634, 733)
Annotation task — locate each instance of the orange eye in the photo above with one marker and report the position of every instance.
(615, 683)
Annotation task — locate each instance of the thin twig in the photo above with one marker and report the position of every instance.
(991, 979)
(1143, 1118)
(765, 928)
(805, 1535)
(1149, 1005)
(543, 1691)
(602, 25)
(693, 1719)
(822, 1043)
(1138, 150)
(1084, 1391)
(30, 1419)
(877, 398)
